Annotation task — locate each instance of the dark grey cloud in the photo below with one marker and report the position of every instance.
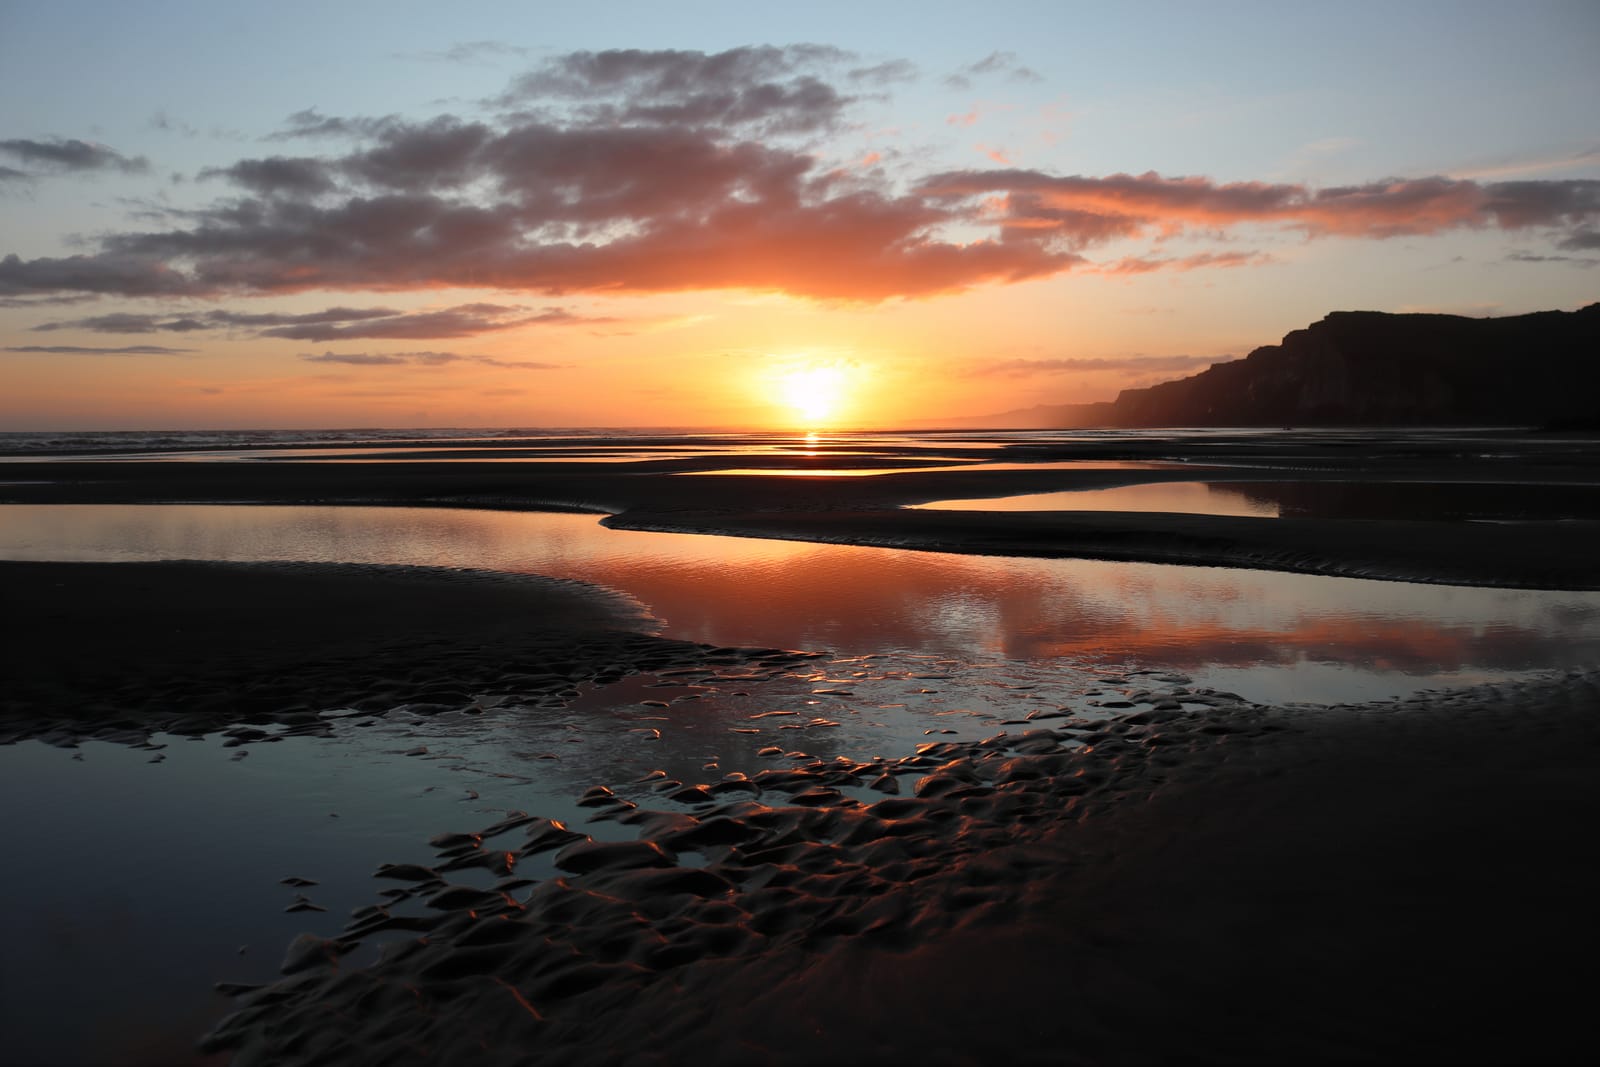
(416, 157)
(300, 176)
(332, 324)
(310, 318)
(466, 320)
(105, 272)
(423, 359)
(80, 350)
(1029, 368)
(126, 322)
(45, 301)
(776, 89)
(12, 174)
(312, 123)
(1580, 241)
(69, 154)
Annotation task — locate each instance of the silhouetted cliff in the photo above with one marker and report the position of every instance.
(1367, 368)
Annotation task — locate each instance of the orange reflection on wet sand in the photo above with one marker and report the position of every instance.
(857, 600)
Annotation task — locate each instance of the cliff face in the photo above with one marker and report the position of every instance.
(1368, 368)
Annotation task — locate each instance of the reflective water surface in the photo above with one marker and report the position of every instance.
(1272, 636)
(1427, 501)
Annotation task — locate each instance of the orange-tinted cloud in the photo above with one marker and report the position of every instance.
(661, 171)
(1146, 264)
(1081, 211)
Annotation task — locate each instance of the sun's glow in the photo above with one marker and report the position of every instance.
(815, 393)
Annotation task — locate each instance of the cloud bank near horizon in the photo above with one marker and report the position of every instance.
(333, 324)
(639, 172)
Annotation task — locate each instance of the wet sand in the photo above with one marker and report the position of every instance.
(1200, 878)
(117, 651)
(1197, 880)
(676, 495)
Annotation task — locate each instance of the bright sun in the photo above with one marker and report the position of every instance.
(814, 393)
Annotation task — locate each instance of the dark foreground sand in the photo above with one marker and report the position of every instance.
(117, 650)
(1198, 880)
(1227, 883)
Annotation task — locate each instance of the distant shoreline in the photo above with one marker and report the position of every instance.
(677, 493)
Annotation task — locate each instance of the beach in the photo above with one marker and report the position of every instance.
(1384, 883)
(1157, 871)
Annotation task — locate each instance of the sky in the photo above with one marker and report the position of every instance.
(820, 216)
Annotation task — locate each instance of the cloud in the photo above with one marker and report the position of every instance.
(423, 359)
(79, 350)
(1577, 261)
(633, 209)
(276, 175)
(993, 63)
(59, 154)
(886, 73)
(1081, 211)
(635, 171)
(44, 301)
(312, 123)
(470, 52)
(775, 89)
(1029, 368)
(124, 322)
(466, 320)
(1580, 241)
(105, 272)
(167, 124)
(1146, 264)
(337, 323)
(1504, 168)
(12, 174)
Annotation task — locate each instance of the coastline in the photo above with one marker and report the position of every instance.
(870, 506)
(1389, 881)
(1533, 556)
(1196, 877)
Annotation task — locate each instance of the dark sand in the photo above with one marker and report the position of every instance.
(118, 650)
(1394, 882)
(1200, 880)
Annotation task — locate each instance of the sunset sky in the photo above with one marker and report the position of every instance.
(711, 215)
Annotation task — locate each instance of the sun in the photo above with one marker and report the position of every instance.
(814, 393)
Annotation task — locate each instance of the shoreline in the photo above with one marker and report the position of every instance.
(1492, 555)
(1196, 877)
(875, 510)
(1401, 880)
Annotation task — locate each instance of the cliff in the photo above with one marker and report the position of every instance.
(1369, 368)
